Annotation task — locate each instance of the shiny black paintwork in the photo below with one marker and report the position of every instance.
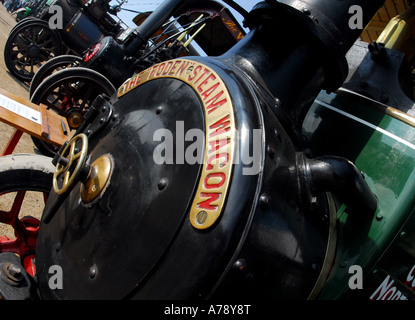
(271, 239)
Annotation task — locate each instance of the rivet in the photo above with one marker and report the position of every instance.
(159, 109)
(162, 184)
(264, 200)
(201, 217)
(379, 216)
(92, 272)
(306, 11)
(58, 247)
(240, 266)
(270, 151)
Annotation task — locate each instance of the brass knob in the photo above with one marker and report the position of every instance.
(98, 178)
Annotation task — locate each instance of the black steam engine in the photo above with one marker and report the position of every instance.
(194, 179)
(222, 224)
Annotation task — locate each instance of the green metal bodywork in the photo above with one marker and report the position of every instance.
(383, 148)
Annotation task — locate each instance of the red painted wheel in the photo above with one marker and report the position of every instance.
(25, 182)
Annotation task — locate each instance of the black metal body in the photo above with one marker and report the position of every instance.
(312, 53)
(271, 240)
(381, 74)
(86, 25)
(109, 61)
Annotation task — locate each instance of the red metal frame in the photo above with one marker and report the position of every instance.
(11, 145)
(26, 231)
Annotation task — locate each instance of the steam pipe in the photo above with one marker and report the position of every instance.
(151, 24)
(331, 18)
(341, 177)
(166, 9)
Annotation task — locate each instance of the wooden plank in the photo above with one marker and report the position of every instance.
(33, 119)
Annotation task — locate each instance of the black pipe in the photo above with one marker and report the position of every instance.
(341, 177)
(329, 21)
(298, 48)
(332, 17)
(150, 25)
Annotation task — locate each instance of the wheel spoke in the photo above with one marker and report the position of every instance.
(67, 90)
(50, 104)
(32, 66)
(34, 32)
(21, 43)
(45, 197)
(76, 156)
(66, 177)
(85, 99)
(17, 60)
(10, 216)
(61, 169)
(40, 35)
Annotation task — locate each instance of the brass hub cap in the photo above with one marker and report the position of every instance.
(97, 180)
(75, 118)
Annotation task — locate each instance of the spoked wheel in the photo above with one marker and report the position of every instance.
(21, 22)
(70, 93)
(25, 182)
(51, 66)
(30, 45)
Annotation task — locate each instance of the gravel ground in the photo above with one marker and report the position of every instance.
(33, 204)
(12, 85)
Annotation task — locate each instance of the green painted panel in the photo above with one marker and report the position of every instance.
(383, 148)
